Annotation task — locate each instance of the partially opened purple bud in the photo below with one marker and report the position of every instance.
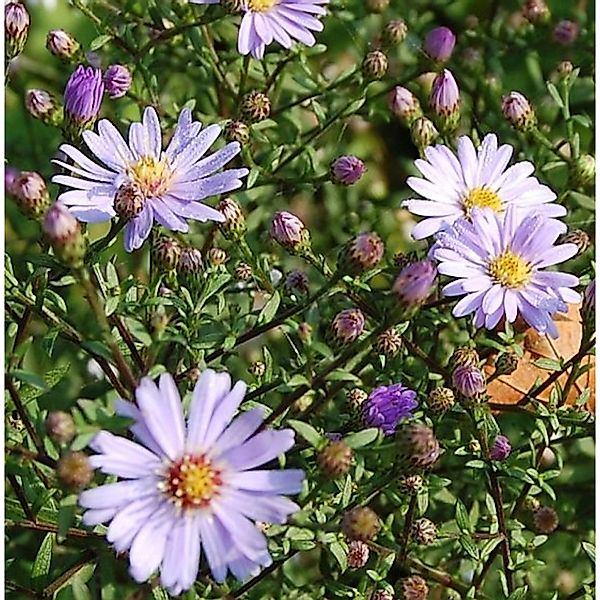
(445, 101)
(404, 105)
(347, 170)
(64, 233)
(518, 111)
(62, 44)
(288, 230)
(117, 81)
(468, 380)
(501, 448)
(414, 284)
(439, 44)
(83, 97)
(16, 28)
(566, 32)
(10, 175)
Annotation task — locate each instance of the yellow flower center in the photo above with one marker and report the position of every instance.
(192, 482)
(151, 175)
(261, 5)
(482, 197)
(509, 269)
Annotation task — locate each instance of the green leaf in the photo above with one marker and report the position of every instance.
(590, 550)
(555, 94)
(100, 41)
(30, 378)
(469, 546)
(462, 516)
(309, 433)
(339, 552)
(362, 438)
(41, 564)
(269, 310)
(519, 593)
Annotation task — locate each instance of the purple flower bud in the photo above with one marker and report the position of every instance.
(16, 28)
(358, 554)
(518, 111)
(413, 285)
(39, 104)
(32, 193)
(59, 224)
(363, 252)
(566, 32)
(387, 406)
(439, 44)
(83, 97)
(536, 11)
(445, 101)
(404, 105)
(117, 81)
(62, 44)
(468, 380)
(347, 170)
(348, 325)
(501, 448)
(588, 307)
(10, 175)
(290, 232)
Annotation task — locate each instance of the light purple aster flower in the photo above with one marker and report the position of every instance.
(499, 264)
(187, 487)
(83, 95)
(283, 21)
(501, 448)
(387, 405)
(172, 181)
(453, 186)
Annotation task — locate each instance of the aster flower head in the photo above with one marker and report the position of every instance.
(117, 80)
(282, 21)
(439, 44)
(498, 263)
(172, 181)
(191, 486)
(83, 96)
(453, 186)
(387, 406)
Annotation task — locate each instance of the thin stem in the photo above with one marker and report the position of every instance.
(16, 486)
(14, 396)
(408, 523)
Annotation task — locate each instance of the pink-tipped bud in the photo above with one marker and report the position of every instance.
(566, 32)
(289, 231)
(347, 170)
(439, 44)
(64, 233)
(63, 45)
(414, 284)
(16, 28)
(518, 111)
(32, 194)
(404, 105)
(348, 325)
(445, 101)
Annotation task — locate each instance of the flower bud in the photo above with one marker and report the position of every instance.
(531, 504)
(362, 253)
(469, 381)
(289, 231)
(256, 106)
(166, 252)
(382, 595)
(243, 271)
(32, 194)
(588, 306)
(60, 427)
(394, 33)
(16, 28)
(564, 68)
(296, 282)
(440, 400)
(237, 131)
(258, 369)
(63, 45)
(348, 325)
(423, 133)
(335, 459)
(83, 97)
(445, 101)
(410, 485)
(389, 342)
(234, 225)
(74, 470)
(375, 65)
(41, 105)
(518, 112)
(129, 200)
(582, 171)
(361, 523)
(190, 261)
(117, 81)
(347, 170)
(506, 363)
(474, 446)
(233, 7)
(10, 176)
(414, 588)
(418, 446)
(423, 532)
(355, 398)
(377, 6)
(500, 449)
(414, 284)
(64, 233)
(565, 32)
(536, 11)
(217, 257)
(545, 520)
(439, 44)
(463, 355)
(404, 105)
(358, 554)
(305, 332)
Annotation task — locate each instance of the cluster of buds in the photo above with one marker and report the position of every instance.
(518, 111)
(64, 46)
(43, 106)
(347, 325)
(445, 101)
(83, 97)
(375, 65)
(117, 81)
(335, 458)
(363, 252)
(423, 531)
(361, 523)
(418, 446)
(347, 170)
(74, 470)
(31, 192)
(255, 107)
(415, 283)
(404, 105)
(439, 44)
(16, 28)
(440, 400)
(233, 226)
(289, 231)
(64, 234)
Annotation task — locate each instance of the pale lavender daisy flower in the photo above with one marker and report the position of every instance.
(172, 182)
(453, 186)
(283, 21)
(498, 262)
(191, 489)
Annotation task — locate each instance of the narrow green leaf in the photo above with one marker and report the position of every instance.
(309, 433)
(41, 564)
